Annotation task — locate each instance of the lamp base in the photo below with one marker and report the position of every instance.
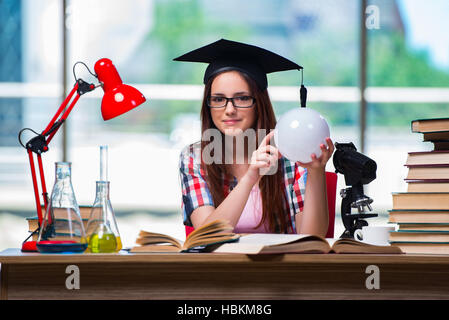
(29, 246)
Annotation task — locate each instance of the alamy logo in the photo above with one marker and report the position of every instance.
(373, 19)
(72, 282)
(235, 147)
(373, 280)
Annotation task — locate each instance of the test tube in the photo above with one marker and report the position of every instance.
(103, 163)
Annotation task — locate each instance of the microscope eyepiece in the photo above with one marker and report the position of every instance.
(356, 167)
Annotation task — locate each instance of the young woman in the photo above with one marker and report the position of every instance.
(293, 199)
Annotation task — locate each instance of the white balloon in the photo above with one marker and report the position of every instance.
(299, 133)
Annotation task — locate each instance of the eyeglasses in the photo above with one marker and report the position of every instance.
(237, 102)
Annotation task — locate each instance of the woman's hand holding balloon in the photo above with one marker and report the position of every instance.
(320, 163)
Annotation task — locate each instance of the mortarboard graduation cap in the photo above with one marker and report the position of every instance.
(223, 55)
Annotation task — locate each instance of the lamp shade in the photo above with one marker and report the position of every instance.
(118, 97)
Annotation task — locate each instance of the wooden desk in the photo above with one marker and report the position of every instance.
(222, 276)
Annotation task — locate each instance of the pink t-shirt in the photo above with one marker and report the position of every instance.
(252, 214)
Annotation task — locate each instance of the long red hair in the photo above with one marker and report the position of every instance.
(271, 186)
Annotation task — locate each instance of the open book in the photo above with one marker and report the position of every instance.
(261, 243)
(214, 238)
(207, 237)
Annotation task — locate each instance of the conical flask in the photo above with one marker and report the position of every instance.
(62, 229)
(102, 231)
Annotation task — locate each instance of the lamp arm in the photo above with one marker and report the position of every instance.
(51, 133)
(61, 108)
(39, 144)
(35, 187)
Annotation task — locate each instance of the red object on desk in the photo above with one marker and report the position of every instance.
(331, 186)
(118, 99)
(29, 246)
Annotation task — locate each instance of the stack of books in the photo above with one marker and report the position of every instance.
(33, 221)
(422, 213)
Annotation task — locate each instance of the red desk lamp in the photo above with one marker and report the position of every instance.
(118, 98)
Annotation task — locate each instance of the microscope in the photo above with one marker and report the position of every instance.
(358, 170)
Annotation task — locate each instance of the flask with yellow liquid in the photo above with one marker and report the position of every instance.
(102, 231)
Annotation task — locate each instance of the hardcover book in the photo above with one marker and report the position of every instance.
(430, 125)
(427, 172)
(405, 216)
(419, 236)
(441, 145)
(428, 186)
(424, 226)
(422, 247)
(436, 136)
(439, 157)
(421, 200)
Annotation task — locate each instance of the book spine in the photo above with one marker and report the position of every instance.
(439, 165)
(421, 200)
(414, 126)
(426, 180)
(436, 136)
(428, 152)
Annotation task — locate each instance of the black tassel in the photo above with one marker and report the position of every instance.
(303, 96)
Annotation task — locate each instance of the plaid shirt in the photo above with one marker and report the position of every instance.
(195, 192)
